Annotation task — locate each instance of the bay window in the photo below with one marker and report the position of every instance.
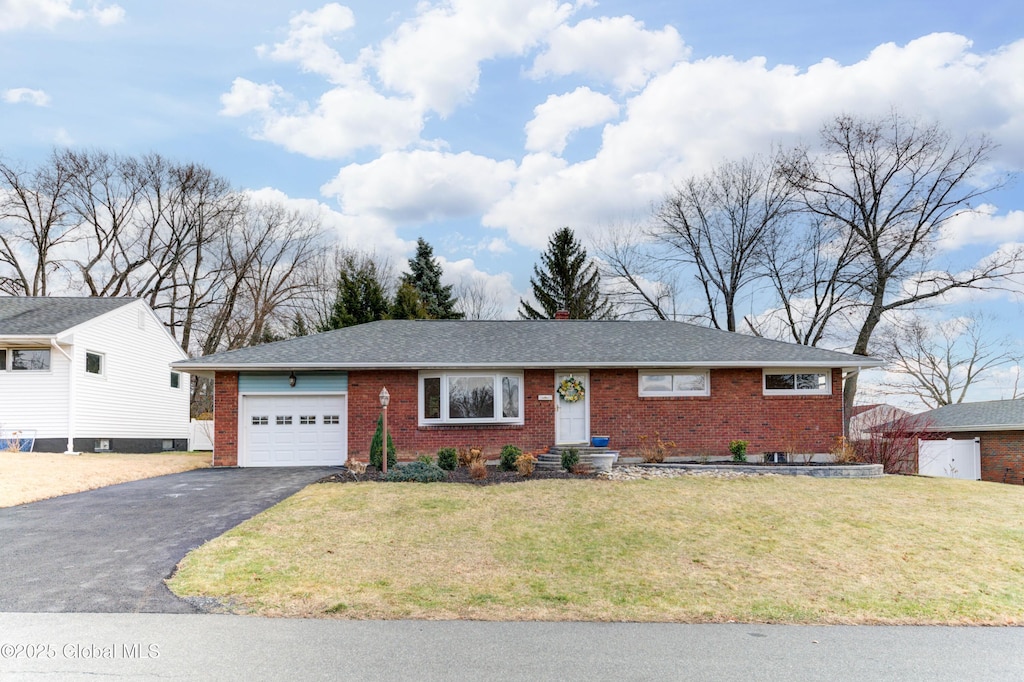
(470, 397)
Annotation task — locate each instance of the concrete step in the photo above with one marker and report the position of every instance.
(552, 459)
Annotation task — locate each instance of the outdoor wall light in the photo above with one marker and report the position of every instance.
(292, 380)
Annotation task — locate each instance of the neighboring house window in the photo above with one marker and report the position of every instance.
(797, 382)
(175, 379)
(3, 359)
(675, 383)
(30, 359)
(93, 363)
(471, 397)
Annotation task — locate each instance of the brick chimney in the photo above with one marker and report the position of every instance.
(561, 314)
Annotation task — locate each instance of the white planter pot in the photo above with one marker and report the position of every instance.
(602, 461)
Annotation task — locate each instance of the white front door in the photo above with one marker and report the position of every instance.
(572, 419)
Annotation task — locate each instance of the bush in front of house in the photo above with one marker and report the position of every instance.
(738, 448)
(419, 472)
(377, 446)
(509, 455)
(447, 459)
(525, 464)
(570, 458)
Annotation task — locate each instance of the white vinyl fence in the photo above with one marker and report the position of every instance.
(200, 435)
(950, 458)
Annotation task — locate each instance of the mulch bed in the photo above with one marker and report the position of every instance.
(461, 475)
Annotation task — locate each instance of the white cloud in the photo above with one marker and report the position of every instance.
(436, 57)
(307, 43)
(422, 185)
(344, 120)
(700, 113)
(610, 49)
(21, 14)
(561, 115)
(494, 292)
(494, 245)
(982, 226)
(246, 97)
(26, 96)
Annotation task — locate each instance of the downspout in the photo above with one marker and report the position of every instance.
(71, 395)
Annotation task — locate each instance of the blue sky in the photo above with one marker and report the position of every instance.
(484, 126)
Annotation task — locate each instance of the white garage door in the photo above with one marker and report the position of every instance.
(280, 431)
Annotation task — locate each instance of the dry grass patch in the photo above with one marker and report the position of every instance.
(30, 476)
(771, 549)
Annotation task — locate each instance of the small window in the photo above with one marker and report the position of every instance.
(797, 382)
(175, 379)
(102, 445)
(167, 445)
(332, 419)
(93, 363)
(32, 360)
(3, 359)
(260, 421)
(674, 383)
(285, 420)
(307, 419)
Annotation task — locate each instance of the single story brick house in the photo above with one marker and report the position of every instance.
(313, 400)
(998, 424)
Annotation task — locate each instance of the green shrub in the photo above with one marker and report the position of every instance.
(419, 472)
(509, 455)
(376, 446)
(425, 459)
(570, 458)
(738, 448)
(447, 459)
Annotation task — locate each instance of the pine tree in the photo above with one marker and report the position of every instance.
(566, 280)
(360, 297)
(299, 326)
(408, 305)
(425, 276)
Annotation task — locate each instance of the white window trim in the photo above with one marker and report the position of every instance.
(673, 393)
(103, 364)
(445, 420)
(796, 391)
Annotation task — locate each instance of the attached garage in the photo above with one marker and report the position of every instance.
(290, 430)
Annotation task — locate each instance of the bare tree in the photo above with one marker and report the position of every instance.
(475, 301)
(33, 227)
(892, 184)
(638, 282)
(719, 224)
(939, 362)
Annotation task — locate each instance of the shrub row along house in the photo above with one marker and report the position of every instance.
(313, 400)
(89, 374)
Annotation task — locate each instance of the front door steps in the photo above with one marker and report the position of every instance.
(552, 459)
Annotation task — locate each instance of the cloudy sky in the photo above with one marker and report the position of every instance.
(484, 126)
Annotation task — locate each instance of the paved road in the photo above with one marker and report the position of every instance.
(160, 646)
(109, 550)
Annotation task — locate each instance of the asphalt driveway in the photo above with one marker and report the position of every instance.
(109, 550)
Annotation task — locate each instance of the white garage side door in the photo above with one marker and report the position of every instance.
(308, 430)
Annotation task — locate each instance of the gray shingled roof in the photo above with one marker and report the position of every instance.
(994, 415)
(524, 343)
(48, 316)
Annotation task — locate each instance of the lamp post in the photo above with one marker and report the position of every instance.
(385, 398)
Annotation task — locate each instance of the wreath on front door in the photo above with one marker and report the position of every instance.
(571, 389)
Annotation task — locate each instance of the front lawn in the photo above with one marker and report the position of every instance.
(696, 549)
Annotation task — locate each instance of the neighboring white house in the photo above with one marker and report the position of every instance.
(88, 374)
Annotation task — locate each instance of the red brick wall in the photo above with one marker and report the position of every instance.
(225, 414)
(411, 440)
(1002, 453)
(736, 409)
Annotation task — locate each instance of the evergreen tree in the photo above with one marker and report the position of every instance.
(360, 297)
(299, 326)
(377, 446)
(566, 280)
(408, 305)
(425, 276)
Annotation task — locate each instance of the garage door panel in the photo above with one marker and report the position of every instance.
(287, 430)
